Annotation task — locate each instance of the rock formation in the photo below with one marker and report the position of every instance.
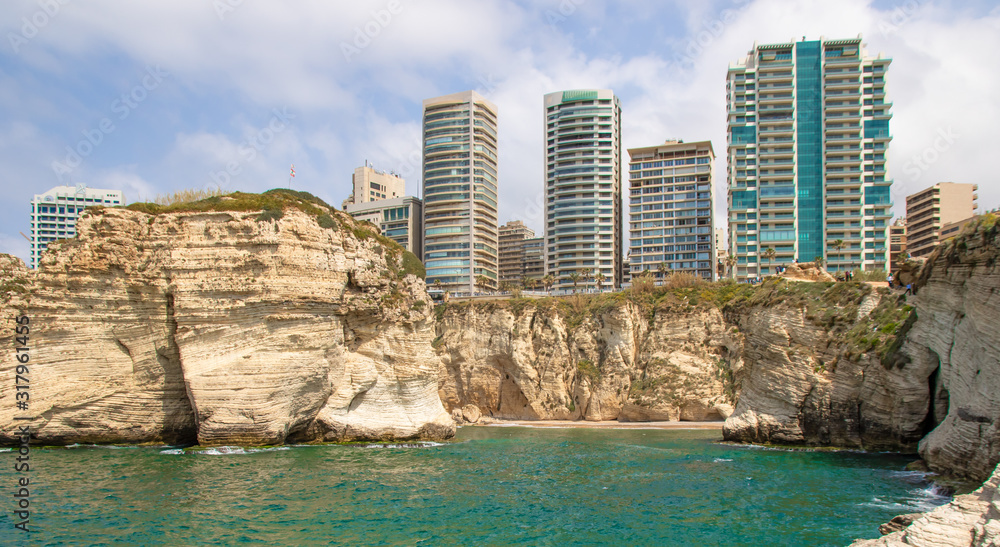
(225, 327)
(812, 370)
(972, 520)
(957, 337)
(806, 271)
(545, 361)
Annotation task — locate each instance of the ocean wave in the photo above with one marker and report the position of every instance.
(720, 460)
(230, 450)
(416, 444)
(104, 446)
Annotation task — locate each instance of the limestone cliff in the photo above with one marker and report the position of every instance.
(812, 370)
(957, 336)
(585, 358)
(231, 323)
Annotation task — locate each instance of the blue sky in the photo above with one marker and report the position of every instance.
(175, 93)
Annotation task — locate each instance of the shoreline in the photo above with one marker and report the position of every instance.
(584, 424)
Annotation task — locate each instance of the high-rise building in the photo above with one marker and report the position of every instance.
(808, 134)
(460, 178)
(534, 258)
(54, 213)
(897, 244)
(512, 238)
(399, 219)
(583, 209)
(929, 210)
(671, 221)
(721, 269)
(370, 184)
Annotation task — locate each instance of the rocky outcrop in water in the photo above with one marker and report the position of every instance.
(971, 520)
(548, 360)
(225, 327)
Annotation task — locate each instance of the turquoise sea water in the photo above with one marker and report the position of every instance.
(490, 486)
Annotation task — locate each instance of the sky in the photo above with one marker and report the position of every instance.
(158, 96)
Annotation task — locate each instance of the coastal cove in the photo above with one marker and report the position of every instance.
(489, 485)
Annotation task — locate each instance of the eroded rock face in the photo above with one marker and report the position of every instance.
(800, 383)
(971, 520)
(957, 334)
(546, 364)
(223, 329)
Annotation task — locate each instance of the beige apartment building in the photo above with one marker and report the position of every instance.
(897, 244)
(460, 178)
(370, 184)
(512, 253)
(671, 220)
(928, 211)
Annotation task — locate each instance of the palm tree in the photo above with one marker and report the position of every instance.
(819, 260)
(661, 269)
(548, 281)
(769, 255)
(839, 245)
(437, 284)
(585, 274)
(575, 278)
(482, 282)
(731, 263)
(599, 278)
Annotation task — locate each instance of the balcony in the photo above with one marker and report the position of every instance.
(778, 206)
(847, 205)
(777, 153)
(775, 130)
(832, 83)
(773, 77)
(775, 101)
(844, 138)
(838, 161)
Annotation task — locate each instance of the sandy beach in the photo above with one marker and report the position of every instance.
(599, 425)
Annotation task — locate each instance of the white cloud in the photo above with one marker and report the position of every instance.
(672, 83)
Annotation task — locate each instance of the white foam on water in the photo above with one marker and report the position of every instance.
(416, 444)
(172, 451)
(6, 449)
(720, 460)
(238, 450)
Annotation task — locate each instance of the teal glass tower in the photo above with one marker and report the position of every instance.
(808, 135)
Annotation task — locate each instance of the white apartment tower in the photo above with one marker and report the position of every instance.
(461, 179)
(808, 135)
(583, 204)
(54, 213)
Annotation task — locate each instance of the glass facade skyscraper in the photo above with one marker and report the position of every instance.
(460, 180)
(583, 203)
(808, 135)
